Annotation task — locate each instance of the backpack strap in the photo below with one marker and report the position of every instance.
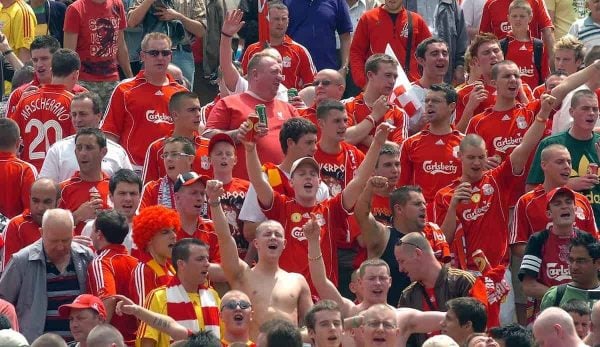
(538, 50)
(409, 40)
(560, 292)
(504, 46)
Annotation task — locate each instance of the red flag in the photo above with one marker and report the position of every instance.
(263, 21)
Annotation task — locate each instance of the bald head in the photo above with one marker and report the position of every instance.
(46, 185)
(105, 335)
(471, 140)
(57, 219)
(549, 152)
(57, 234)
(235, 295)
(49, 340)
(268, 225)
(554, 327)
(416, 240)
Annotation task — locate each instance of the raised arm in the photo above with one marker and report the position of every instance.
(416, 322)
(373, 232)
(158, 321)
(366, 168)
(590, 73)
(519, 156)
(264, 191)
(232, 265)
(231, 25)
(325, 288)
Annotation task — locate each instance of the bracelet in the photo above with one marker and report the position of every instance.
(540, 119)
(372, 120)
(315, 258)
(214, 203)
(226, 35)
(7, 52)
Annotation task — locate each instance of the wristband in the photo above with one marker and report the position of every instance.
(540, 119)
(226, 35)
(315, 258)
(214, 203)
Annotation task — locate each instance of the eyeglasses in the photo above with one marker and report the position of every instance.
(325, 83)
(155, 52)
(400, 243)
(374, 324)
(232, 305)
(174, 155)
(579, 261)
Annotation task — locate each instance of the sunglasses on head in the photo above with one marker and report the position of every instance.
(156, 52)
(400, 243)
(232, 305)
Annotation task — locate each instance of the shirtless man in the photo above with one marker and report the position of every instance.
(274, 292)
(375, 282)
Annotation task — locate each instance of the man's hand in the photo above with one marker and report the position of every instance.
(380, 108)
(382, 132)
(297, 102)
(461, 193)
(88, 209)
(548, 102)
(233, 22)
(124, 305)
(167, 14)
(478, 94)
(83, 240)
(4, 45)
(583, 182)
(492, 162)
(312, 229)
(378, 184)
(259, 130)
(214, 190)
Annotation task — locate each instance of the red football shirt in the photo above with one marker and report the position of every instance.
(483, 219)
(430, 161)
(109, 273)
(75, 192)
(16, 176)
(148, 276)
(531, 215)
(494, 18)
(20, 232)
(44, 117)
(205, 232)
(138, 113)
(337, 170)
(522, 54)
(331, 216)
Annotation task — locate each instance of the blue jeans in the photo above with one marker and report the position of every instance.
(185, 61)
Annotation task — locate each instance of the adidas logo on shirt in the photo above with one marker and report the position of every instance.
(523, 48)
(159, 92)
(440, 142)
(506, 117)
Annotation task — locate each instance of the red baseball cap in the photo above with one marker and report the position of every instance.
(220, 137)
(83, 301)
(559, 190)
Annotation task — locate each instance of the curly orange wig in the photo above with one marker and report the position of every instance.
(152, 220)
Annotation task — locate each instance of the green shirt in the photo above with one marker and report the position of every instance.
(582, 154)
(571, 293)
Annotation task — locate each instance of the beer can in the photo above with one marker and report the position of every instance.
(261, 111)
(292, 93)
(592, 169)
(466, 201)
(253, 122)
(94, 193)
(479, 258)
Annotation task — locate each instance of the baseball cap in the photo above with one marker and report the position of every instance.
(221, 137)
(559, 190)
(189, 178)
(304, 160)
(83, 301)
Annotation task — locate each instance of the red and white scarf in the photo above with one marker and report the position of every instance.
(166, 194)
(180, 307)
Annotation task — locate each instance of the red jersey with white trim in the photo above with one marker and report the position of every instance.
(437, 240)
(521, 52)
(44, 117)
(159, 192)
(310, 113)
(16, 176)
(331, 216)
(484, 218)
(531, 215)
(20, 232)
(298, 68)
(15, 95)
(148, 276)
(431, 162)
(337, 170)
(205, 232)
(75, 192)
(357, 111)
(138, 114)
(231, 111)
(109, 273)
(490, 101)
(494, 18)
(154, 165)
(231, 202)
(502, 131)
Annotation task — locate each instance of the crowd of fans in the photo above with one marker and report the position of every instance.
(360, 173)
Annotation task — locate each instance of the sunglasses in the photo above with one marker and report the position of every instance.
(156, 52)
(325, 83)
(400, 243)
(232, 305)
